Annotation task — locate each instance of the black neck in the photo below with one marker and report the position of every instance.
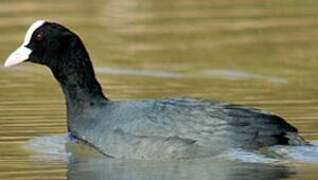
(77, 79)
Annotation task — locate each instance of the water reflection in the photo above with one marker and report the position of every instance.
(186, 170)
(85, 163)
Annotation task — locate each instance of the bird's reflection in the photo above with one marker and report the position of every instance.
(200, 169)
(85, 163)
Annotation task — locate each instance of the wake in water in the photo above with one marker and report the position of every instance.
(61, 147)
(49, 147)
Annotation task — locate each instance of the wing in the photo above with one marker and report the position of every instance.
(212, 123)
(267, 128)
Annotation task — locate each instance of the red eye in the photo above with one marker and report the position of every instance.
(39, 36)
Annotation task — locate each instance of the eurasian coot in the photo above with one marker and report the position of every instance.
(169, 128)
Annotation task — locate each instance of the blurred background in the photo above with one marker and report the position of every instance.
(260, 53)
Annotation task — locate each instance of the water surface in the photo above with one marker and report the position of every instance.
(257, 53)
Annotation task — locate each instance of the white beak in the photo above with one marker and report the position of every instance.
(18, 56)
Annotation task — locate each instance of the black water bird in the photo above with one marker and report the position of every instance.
(171, 128)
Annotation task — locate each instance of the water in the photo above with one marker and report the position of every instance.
(256, 53)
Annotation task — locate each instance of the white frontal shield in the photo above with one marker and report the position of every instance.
(22, 53)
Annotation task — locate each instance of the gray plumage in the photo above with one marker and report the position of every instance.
(177, 128)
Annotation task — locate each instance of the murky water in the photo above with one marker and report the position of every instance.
(257, 53)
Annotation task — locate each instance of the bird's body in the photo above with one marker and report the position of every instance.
(177, 128)
(171, 128)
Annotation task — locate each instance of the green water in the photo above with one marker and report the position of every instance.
(257, 53)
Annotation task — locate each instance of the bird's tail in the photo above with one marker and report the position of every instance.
(295, 139)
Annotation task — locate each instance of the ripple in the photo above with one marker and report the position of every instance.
(138, 72)
(298, 153)
(239, 75)
(48, 148)
(206, 73)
